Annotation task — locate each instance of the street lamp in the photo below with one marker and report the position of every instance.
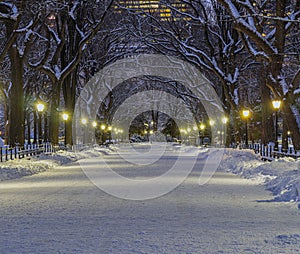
(224, 120)
(246, 114)
(103, 126)
(65, 117)
(202, 128)
(223, 137)
(211, 124)
(84, 121)
(103, 135)
(40, 108)
(276, 106)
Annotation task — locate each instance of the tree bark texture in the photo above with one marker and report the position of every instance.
(54, 113)
(16, 99)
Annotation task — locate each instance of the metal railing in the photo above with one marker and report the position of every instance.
(17, 152)
(269, 153)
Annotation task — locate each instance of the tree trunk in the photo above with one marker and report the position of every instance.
(233, 133)
(46, 128)
(16, 99)
(28, 128)
(16, 120)
(69, 93)
(54, 114)
(284, 136)
(267, 125)
(289, 118)
(69, 85)
(6, 117)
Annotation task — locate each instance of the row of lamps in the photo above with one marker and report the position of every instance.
(245, 113)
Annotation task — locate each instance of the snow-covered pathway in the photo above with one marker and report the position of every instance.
(61, 211)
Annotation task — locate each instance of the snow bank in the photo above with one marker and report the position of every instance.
(19, 168)
(35, 164)
(281, 176)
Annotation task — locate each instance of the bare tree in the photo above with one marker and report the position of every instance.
(68, 28)
(268, 29)
(202, 33)
(18, 22)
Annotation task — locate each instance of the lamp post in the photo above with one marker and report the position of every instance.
(276, 106)
(211, 124)
(40, 108)
(121, 134)
(202, 128)
(288, 138)
(84, 123)
(65, 117)
(224, 121)
(103, 137)
(195, 135)
(94, 125)
(109, 129)
(246, 114)
(188, 130)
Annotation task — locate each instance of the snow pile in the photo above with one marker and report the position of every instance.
(35, 164)
(281, 176)
(19, 168)
(64, 157)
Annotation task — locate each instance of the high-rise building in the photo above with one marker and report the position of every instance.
(164, 10)
(146, 16)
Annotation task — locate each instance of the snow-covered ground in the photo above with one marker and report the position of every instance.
(35, 164)
(281, 176)
(61, 211)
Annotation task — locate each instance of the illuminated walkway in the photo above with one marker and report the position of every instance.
(63, 212)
